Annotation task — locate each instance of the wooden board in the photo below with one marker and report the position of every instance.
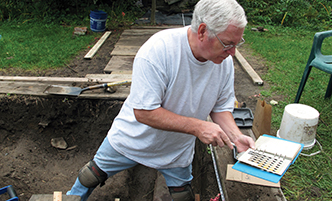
(156, 27)
(96, 47)
(49, 197)
(65, 80)
(120, 64)
(57, 196)
(37, 89)
(137, 40)
(43, 79)
(139, 32)
(115, 76)
(131, 40)
(246, 66)
(125, 50)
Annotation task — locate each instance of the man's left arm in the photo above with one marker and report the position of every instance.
(226, 121)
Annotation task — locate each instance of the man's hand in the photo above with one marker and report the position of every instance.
(226, 122)
(211, 133)
(244, 142)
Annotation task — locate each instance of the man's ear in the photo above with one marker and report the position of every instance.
(202, 31)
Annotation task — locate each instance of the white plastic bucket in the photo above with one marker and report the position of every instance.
(299, 124)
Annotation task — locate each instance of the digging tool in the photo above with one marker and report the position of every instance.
(75, 91)
(217, 174)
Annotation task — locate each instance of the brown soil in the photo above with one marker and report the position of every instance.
(27, 124)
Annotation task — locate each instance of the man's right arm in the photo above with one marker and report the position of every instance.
(160, 118)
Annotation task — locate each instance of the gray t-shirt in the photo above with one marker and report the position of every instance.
(166, 74)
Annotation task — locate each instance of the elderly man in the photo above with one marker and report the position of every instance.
(180, 76)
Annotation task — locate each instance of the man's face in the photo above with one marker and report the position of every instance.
(215, 50)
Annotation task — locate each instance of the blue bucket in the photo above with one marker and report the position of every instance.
(98, 20)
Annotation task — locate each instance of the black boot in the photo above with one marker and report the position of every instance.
(182, 193)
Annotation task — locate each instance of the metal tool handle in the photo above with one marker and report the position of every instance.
(217, 174)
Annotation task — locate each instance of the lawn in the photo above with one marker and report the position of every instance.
(287, 52)
(41, 46)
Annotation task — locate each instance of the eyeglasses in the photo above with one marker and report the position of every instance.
(228, 47)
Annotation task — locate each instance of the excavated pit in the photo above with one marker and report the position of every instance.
(33, 166)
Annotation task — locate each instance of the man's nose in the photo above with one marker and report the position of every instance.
(231, 51)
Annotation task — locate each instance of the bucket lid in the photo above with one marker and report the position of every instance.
(98, 14)
(302, 111)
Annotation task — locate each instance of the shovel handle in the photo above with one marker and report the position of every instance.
(118, 83)
(108, 84)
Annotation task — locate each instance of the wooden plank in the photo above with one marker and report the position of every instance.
(37, 89)
(42, 79)
(25, 88)
(119, 64)
(246, 66)
(49, 197)
(197, 197)
(139, 32)
(136, 40)
(125, 50)
(156, 27)
(59, 80)
(153, 12)
(57, 196)
(115, 76)
(96, 47)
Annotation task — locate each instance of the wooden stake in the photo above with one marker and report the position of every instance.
(57, 196)
(197, 197)
(153, 12)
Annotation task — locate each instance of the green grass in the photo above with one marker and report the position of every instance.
(42, 46)
(39, 46)
(287, 52)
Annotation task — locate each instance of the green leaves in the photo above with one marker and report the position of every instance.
(290, 13)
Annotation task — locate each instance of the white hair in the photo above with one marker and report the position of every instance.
(218, 15)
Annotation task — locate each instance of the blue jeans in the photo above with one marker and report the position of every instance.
(112, 162)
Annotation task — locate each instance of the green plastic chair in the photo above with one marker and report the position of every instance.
(317, 60)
